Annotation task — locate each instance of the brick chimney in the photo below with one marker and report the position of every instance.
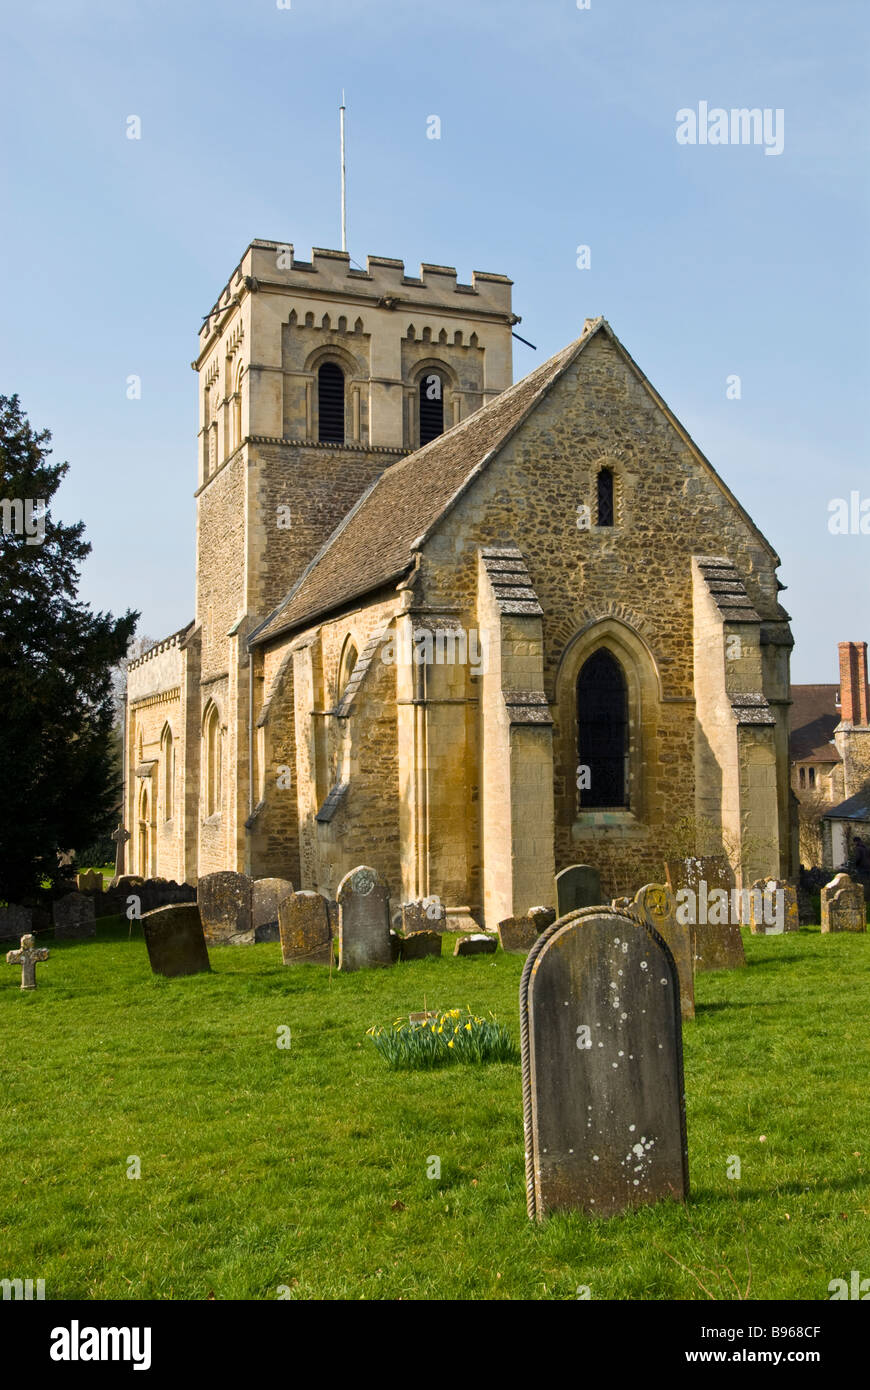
(854, 695)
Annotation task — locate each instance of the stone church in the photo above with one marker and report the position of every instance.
(465, 631)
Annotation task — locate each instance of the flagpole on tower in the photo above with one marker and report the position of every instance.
(343, 180)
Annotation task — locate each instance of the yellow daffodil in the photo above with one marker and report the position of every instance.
(468, 1027)
(450, 1044)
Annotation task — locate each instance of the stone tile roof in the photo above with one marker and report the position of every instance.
(727, 588)
(853, 808)
(511, 581)
(813, 717)
(376, 541)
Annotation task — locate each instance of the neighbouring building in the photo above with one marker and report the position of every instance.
(464, 631)
(829, 752)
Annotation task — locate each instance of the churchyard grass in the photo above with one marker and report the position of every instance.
(304, 1168)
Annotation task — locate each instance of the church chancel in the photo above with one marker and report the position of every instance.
(464, 631)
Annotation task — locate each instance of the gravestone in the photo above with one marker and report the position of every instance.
(542, 917)
(424, 914)
(110, 903)
(420, 944)
(395, 946)
(89, 881)
(773, 898)
(224, 901)
(128, 883)
(843, 905)
(305, 928)
(27, 957)
(364, 920)
(603, 1101)
(655, 905)
(175, 940)
(476, 945)
(577, 886)
(517, 935)
(15, 922)
(74, 917)
(716, 944)
(266, 894)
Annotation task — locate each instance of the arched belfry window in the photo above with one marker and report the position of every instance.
(431, 407)
(605, 515)
(602, 722)
(330, 404)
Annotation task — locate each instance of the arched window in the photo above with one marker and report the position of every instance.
(141, 746)
(431, 407)
(605, 514)
(212, 761)
(167, 759)
(348, 661)
(330, 404)
(602, 721)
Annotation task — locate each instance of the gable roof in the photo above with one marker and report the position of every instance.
(813, 717)
(377, 541)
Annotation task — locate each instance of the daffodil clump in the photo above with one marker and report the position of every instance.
(457, 1035)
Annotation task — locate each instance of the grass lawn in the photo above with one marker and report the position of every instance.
(307, 1168)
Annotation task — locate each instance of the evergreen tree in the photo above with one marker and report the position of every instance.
(60, 784)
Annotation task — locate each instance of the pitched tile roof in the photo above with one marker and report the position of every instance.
(813, 717)
(375, 542)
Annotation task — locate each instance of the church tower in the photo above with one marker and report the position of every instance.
(314, 376)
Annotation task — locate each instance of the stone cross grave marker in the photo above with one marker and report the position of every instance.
(603, 1100)
(577, 886)
(27, 957)
(175, 940)
(843, 905)
(655, 905)
(306, 929)
(716, 944)
(74, 918)
(766, 906)
(364, 920)
(224, 901)
(266, 895)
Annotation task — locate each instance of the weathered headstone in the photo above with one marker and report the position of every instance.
(175, 940)
(843, 905)
(224, 901)
(703, 886)
(476, 945)
(541, 917)
(773, 907)
(27, 957)
(655, 905)
(15, 922)
(306, 931)
(420, 944)
(423, 914)
(266, 895)
(363, 920)
(603, 1100)
(517, 935)
(74, 917)
(89, 881)
(127, 883)
(577, 886)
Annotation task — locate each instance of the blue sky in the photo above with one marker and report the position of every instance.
(558, 129)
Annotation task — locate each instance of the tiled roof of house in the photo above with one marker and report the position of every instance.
(813, 717)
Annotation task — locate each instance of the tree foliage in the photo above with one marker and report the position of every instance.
(60, 782)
